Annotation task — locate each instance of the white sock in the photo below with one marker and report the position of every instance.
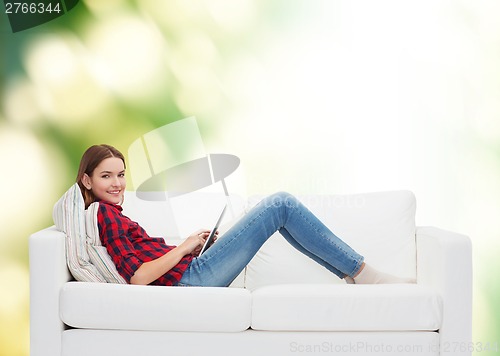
(370, 275)
(349, 280)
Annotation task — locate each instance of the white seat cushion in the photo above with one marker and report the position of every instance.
(154, 308)
(396, 307)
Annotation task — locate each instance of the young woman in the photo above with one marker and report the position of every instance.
(142, 259)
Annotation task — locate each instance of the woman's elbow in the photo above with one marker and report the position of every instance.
(139, 279)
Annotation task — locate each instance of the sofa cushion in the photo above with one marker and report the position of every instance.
(389, 307)
(380, 226)
(69, 217)
(154, 308)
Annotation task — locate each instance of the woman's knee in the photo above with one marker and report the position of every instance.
(282, 198)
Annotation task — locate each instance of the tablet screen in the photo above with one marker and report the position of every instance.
(210, 240)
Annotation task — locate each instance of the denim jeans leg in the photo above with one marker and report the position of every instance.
(309, 235)
(220, 264)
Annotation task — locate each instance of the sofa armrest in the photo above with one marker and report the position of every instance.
(444, 262)
(48, 272)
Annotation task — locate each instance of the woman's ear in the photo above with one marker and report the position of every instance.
(86, 181)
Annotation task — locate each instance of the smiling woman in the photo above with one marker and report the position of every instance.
(141, 259)
(101, 175)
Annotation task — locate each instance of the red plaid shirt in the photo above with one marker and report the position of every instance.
(130, 246)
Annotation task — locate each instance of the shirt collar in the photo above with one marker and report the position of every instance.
(116, 206)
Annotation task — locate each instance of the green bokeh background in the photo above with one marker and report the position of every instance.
(314, 96)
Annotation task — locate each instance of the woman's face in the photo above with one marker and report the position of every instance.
(107, 182)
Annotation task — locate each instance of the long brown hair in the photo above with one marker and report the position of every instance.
(92, 157)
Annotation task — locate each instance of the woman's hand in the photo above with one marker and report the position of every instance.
(194, 242)
(152, 270)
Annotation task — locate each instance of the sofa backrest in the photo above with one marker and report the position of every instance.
(380, 226)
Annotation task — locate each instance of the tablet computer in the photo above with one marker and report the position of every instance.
(211, 238)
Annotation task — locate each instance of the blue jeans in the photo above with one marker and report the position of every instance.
(224, 261)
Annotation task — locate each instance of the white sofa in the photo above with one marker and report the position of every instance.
(282, 303)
